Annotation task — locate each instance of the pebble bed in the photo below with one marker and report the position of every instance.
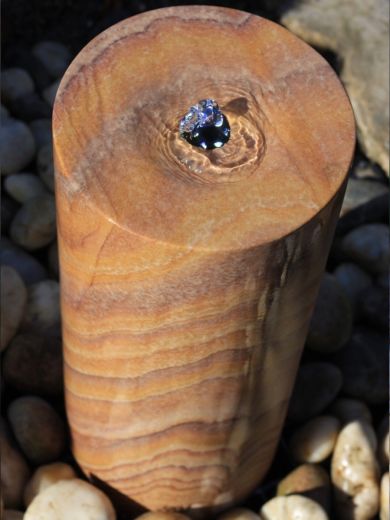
(333, 457)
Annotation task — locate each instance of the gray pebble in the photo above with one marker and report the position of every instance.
(15, 472)
(49, 94)
(382, 280)
(33, 364)
(34, 225)
(361, 192)
(41, 130)
(9, 207)
(13, 303)
(54, 56)
(373, 305)
(316, 386)
(17, 146)
(3, 112)
(46, 166)
(43, 307)
(331, 322)
(30, 107)
(15, 83)
(38, 429)
(352, 279)
(364, 365)
(27, 266)
(24, 186)
(368, 246)
(348, 410)
(53, 259)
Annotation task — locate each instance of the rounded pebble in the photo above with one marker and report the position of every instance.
(13, 303)
(159, 515)
(292, 507)
(33, 364)
(348, 410)
(34, 225)
(316, 386)
(43, 306)
(368, 246)
(354, 472)
(49, 93)
(24, 186)
(331, 322)
(14, 473)
(41, 130)
(46, 166)
(12, 514)
(15, 83)
(38, 428)
(54, 56)
(352, 279)
(17, 146)
(315, 440)
(46, 476)
(384, 509)
(239, 513)
(25, 264)
(363, 363)
(309, 480)
(70, 499)
(373, 305)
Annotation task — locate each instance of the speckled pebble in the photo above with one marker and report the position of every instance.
(15, 82)
(38, 429)
(355, 473)
(292, 507)
(71, 499)
(17, 146)
(13, 303)
(315, 440)
(46, 476)
(24, 186)
(34, 225)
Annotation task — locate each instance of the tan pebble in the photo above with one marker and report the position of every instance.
(384, 511)
(292, 507)
(11, 514)
(157, 515)
(13, 303)
(46, 476)
(315, 440)
(348, 410)
(383, 444)
(239, 513)
(355, 472)
(70, 499)
(309, 480)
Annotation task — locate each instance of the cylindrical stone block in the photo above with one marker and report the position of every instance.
(188, 277)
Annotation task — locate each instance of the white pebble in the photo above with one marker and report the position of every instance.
(46, 476)
(68, 500)
(355, 472)
(292, 507)
(384, 512)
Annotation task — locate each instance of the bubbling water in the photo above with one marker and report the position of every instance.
(239, 158)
